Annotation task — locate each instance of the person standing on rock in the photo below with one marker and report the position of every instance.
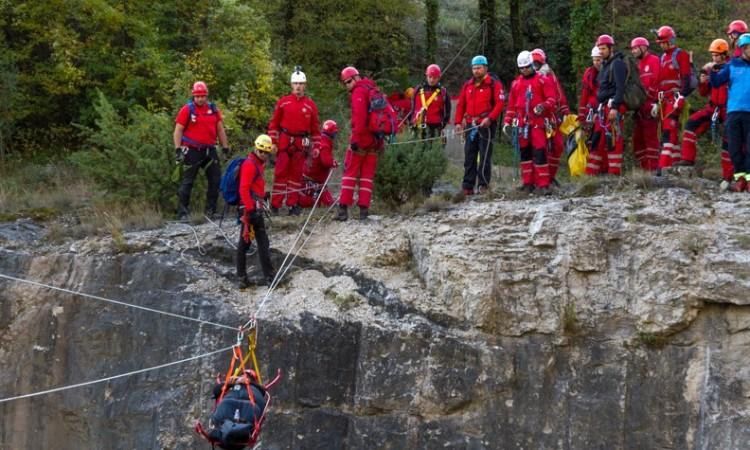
(645, 127)
(532, 99)
(252, 190)
(479, 107)
(736, 73)
(196, 128)
(318, 166)
(555, 137)
(361, 158)
(607, 141)
(589, 88)
(295, 131)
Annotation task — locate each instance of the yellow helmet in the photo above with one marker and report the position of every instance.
(409, 93)
(264, 143)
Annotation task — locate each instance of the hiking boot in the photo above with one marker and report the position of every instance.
(483, 190)
(295, 210)
(544, 191)
(725, 185)
(243, 282)
(363, 213)
(343, 215)
(468, 192)
(526, 188)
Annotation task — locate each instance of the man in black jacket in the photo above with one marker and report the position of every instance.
(607, 141)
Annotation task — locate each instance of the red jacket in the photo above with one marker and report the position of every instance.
(717, 96)
(295, 116)
(475, 100)
(542, 92)
(252, 183)
(589, 88)
(361, 136)
(438, 109)
(200, 129)
(648, 69)
(669, 78)
(320, 165)
(562, 101)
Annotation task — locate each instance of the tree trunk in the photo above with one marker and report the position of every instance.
(515, 25)
(432, 12)
(488, 16)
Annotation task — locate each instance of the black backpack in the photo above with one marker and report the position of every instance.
(635, 95)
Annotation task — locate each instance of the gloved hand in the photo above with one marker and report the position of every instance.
(539, 109)
(505, 129)
(353, 146)
(655, 110)
(180, 153)
(486, 122)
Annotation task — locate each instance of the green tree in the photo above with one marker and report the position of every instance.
(431, 17)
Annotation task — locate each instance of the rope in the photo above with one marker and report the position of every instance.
(201, 249)
(226, 238)
(283, 269)
(452, 133)
(481, 27)
(116, 302)
(114, 377)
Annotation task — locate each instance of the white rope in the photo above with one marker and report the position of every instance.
(226, 238)
(452, 133)
(283, 269)
(201, 250)
(116, 302)
(481, 26)
(114, 377)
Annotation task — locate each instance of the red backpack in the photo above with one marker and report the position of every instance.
(381, 117)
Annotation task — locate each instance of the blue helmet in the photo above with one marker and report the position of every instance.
(482, 60)
(743, 40)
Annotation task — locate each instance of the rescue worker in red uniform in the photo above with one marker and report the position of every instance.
(607, 141)
(252, 190)
(430, 106)
(557, 141)
(317, 167)
(589, 87)
(295, 130)
(673, 86)
(361, 158)
(401, 103)
(736, 29)
(197, 126)
(645, 127)
(711, 115)
(480, 104)
(532, 99)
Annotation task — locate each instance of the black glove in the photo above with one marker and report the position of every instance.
(180, 153)
(354, 146)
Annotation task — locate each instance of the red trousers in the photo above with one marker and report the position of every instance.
(358, 166)
(699, 123)
(535, 169)
(646, 140)
(607, 143)
(556, 151)
(287, 177)
(670, 130)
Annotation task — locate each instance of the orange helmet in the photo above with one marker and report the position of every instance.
(719, 46)
(409, 92)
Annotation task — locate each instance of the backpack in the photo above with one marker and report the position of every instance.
(693, 83)
(381, 117)
(230, 181)
(635, 95)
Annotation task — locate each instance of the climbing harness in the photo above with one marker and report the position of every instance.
(714, 122)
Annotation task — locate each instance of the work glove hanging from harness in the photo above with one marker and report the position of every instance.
(180, 153)
(248, 232)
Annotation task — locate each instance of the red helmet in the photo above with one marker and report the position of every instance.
(665, 34)
(638, 42)
(605, 39)
(348, 72)
(200, 88)
(330, 127)
(538, 55)
(433, 70)
(737, 26)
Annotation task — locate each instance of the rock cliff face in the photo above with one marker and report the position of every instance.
(614, 321)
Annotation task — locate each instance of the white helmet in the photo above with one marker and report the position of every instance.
(299, 77)
(595, 53)
(525, 59)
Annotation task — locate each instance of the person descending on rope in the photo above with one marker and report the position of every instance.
(197, 126)
(480, 104)
(317, 167)
(295, 131)
(232, 424)
(532, 99)
(252, 195)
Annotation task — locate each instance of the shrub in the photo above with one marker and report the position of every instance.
(129, 158)
(409, 170)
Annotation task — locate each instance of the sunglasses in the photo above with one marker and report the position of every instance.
(350, 80)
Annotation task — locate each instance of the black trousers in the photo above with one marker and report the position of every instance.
(738, 135)
(196, 159)
(264, 248)
(478, 143)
